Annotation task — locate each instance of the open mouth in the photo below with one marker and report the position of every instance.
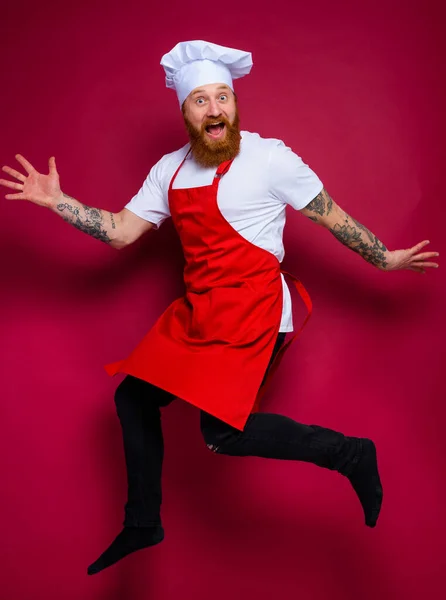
(215, 130)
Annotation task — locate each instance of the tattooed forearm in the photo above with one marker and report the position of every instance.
(371, 237)
(350, 232)
(358, 238)
(321, 205)
(89, 220)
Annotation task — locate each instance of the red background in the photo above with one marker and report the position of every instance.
(356, 89)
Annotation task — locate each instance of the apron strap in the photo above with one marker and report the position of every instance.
(176, 172)
(222, 169)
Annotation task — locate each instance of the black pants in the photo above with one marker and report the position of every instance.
(267, 435)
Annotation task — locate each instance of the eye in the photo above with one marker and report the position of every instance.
(199, 101)
(223, 97)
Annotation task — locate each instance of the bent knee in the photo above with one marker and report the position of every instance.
(123, 390)
(210, 439)
(131, 389)
(213, 447)
(217, 439)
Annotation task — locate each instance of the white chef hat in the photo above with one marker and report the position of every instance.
(191, 64)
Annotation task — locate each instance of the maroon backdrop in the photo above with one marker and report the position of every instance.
(356, 89)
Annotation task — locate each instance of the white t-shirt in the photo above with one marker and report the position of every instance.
(264, 178)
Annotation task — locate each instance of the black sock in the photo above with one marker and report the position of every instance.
(129, 540)
(366, 482)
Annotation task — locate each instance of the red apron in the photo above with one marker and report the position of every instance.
(212, 346)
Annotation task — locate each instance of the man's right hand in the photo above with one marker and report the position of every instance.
(40, 189)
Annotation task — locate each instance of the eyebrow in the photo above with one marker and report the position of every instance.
(220, 87)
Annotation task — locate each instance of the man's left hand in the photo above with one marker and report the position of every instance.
(411, 259)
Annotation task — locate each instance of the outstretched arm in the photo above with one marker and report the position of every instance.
(324, 211)
(116, 229)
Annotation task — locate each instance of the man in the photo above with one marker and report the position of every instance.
(226, 192)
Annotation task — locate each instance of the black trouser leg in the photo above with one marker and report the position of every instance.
(138, 407)
(276, 436)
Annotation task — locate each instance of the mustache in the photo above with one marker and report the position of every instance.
(214, 121)
(209, 154)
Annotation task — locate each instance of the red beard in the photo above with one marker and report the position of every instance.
(211, 153)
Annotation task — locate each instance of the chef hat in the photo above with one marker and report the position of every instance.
(191, 64)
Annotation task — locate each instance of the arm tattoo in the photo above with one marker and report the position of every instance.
(347, 230)
(371, 237)
(112, 221)
(368, 246)
(321, 205)
(91, 222)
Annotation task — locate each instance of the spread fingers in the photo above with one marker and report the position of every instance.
(14, 173)
(11, 184)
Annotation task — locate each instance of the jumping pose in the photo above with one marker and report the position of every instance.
(218, 345)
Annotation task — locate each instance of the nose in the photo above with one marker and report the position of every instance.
(213, 108)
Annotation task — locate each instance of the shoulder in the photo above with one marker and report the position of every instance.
(253, 143)
(259, 148)
(255, 140)
(164, 169)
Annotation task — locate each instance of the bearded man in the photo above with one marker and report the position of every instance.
(217, 346)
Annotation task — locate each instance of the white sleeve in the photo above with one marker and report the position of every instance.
(291, 180)
(151, 202)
